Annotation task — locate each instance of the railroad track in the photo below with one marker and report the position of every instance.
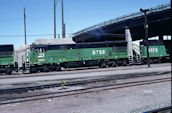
(161, 110)
(83, 90)
(78, 70)
(25, 87)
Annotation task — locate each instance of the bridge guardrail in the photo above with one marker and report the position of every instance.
(122, 18)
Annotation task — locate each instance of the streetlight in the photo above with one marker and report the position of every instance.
(146, 34)
(71, 14)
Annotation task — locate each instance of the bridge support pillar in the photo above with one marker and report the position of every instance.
(129, 44)
(161, 37)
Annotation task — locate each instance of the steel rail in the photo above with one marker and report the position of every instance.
(160, 110)
(78, 81)
(70, 71)
(82, 91)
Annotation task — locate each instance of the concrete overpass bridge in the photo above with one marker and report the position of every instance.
(158, 21)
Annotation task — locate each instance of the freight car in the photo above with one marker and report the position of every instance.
(7, 64)
(46, 58)
(157, 52)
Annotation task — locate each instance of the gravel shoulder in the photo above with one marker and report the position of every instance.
(159, 68)
(135, 99)
(125, 100)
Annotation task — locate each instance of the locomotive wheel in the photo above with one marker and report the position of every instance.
(31, 70)
(46, 69)
(124, 63)
(35, 70)
(58, 68)
(159, 60)
(103, 65)
(114, 64)
(9, 71)
(151, 61)
(141, 62)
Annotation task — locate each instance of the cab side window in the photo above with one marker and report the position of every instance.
(40, 50)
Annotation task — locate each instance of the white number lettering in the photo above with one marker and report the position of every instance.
(93, 52)
(153, 50)
(98, 52)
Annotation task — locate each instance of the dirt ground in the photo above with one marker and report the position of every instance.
(125, 100)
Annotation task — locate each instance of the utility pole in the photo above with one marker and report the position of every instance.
(55, 19)
(25, 26)
(146, 35)
(63, 25)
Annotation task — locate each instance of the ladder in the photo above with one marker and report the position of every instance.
(136, 49)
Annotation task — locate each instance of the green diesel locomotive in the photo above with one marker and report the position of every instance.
(54, 57)
(157, 52)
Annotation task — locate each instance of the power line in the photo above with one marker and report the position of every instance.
(27, 35)
(109, 34)
(56, 2)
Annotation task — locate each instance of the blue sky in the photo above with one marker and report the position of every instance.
(78, 14)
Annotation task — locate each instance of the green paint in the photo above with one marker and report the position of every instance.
(6, 60)
(69, 55)
(154, 51)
